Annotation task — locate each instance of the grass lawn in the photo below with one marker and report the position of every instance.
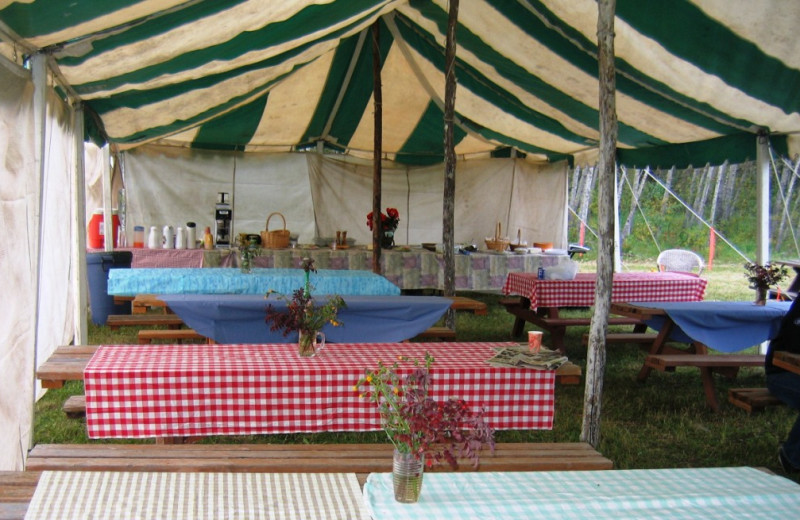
(662, 423)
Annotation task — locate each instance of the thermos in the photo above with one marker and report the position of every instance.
(191, 235)
(154, 239)
(169, 237)
(180, 238)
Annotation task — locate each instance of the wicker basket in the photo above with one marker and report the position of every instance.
(277, 239)
(497, 243)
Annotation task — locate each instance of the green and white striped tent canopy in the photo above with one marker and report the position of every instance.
(696, 79)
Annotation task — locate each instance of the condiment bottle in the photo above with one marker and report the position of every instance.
(208, 240)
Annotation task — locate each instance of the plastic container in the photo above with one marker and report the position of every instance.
(96, 230)
(101, 303)
(138, 236)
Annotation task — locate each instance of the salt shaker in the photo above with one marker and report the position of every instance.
(169, 237)
(153, 239)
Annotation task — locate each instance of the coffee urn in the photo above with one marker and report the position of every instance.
(223, 219)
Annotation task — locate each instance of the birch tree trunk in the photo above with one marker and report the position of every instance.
(668, 183)
(448, 219)
(638, 186)
(586, 195)
(717, 190)
(596, 357)
(728, 191)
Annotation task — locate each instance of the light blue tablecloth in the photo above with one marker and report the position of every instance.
(130, 282)
(707, 493)
(234, 318)
(723, 326)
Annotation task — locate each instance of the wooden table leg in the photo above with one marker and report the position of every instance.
(657, 347)
(706, 374)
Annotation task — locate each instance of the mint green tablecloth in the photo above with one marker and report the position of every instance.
(130, 282)
(707, 493)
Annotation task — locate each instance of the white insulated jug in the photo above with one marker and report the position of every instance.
(169, 237)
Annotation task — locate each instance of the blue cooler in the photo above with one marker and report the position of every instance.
(100, 302)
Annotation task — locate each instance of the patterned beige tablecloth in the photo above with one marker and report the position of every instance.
(78, 495)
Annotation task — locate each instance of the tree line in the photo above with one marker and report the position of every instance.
(677, 208)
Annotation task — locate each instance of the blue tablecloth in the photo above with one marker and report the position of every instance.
(130, 282)
(723, 326)
(231, 318)
(692, 493)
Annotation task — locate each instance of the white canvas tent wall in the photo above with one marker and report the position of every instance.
(697, 79)
(320, 194)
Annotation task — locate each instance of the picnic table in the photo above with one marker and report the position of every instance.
(239, 318)
(176, 391)
(690, 493)
(541, 300)
(725, 327)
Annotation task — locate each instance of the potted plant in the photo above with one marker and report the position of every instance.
(423, 431)
(388, 222)
(303, 315)
(762, 277)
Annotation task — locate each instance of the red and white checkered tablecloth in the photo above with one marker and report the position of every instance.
(140, 391)
(627, 287)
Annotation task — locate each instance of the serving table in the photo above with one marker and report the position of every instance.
(690, 493)
(141, 391)
(130, 282)
(407, 267)
(541, 300)
(239, 318)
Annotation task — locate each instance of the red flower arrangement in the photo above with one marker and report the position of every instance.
(389, 220)
(417, 424)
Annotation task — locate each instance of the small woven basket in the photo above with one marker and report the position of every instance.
(497, 243)
(277, 239)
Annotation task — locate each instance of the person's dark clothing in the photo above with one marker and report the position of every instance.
(783, 384)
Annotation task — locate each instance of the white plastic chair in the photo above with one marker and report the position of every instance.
(680, 260)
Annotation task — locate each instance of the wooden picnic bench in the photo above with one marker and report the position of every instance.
(728, 365)
(115, 321)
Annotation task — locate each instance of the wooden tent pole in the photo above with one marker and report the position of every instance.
(596, 356)
(448, 210)
(376, 154)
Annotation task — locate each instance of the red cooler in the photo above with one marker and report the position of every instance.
(96, 239)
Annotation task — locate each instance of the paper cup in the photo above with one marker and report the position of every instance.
(535, 340)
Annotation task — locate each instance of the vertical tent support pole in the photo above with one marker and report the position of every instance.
(39, 75)
(762, 207)
(448, 210)
(79, 285)
(108, 230)
(762, 192)
(596, 355)
(377, 181)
